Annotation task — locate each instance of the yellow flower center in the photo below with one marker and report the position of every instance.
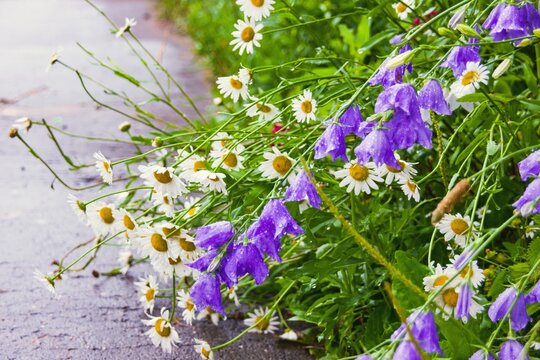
(262, 323)
(199, 165)
(161, 329)
(459, 226)
(105, 213)
(306, 106)
(401, 7)
(149, 294)
(158, 242)
(164, 177)
(128, 223)
(470, 77)
(192, 211)
(247, 34)
(173, 262)
(235, 83)
(450, 297)
(411, 186)
(230, 160)
(186, 245)
(257, 3)
(359, 172)
(168, 231)
(189, 305)
(395, 170)
(440, 280)
(106, 166)
(166, 200)
(467, 271)
(282, 164)
(205, 352)
(263, 108)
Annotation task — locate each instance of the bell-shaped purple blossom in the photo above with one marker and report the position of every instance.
(463, 306)
(350, 120)
(273, 223)
(332, 142)
(401, 98)
(529, 202)
(512, 350)
(204, 261)
(389, 77)
(407, 350)
(459, 57)
(365, 128)
(303, 189)
(396, 39)
(214, 235)
(431, 97)
(423, 329)
(481, 355)
(518, 314)
(409, 130)
(534, 295)
(206, 292)
(530, 166)
(508, 21)
(241, 260)
(364, 357)
(377, 146)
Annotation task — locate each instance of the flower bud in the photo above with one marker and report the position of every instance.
(157, 142)
(492, 147)
(457, 18)
(13, 132)
(218, 101)
(125, 126)
(446, 32)
(524, 43)
(467, 30)
(502, 68)
(536, 32)
(24, 123)
(400, 59)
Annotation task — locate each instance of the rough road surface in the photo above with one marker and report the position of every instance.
(94, 318)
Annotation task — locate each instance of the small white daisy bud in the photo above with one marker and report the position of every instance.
(24, 123)
(290, 335)
(125, 126)
(502, 68)
(217, 101)
(467, 30)
(13, 132)
(400, 59)
(157, 142)
(492, 147)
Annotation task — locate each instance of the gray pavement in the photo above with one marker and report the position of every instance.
(94, 318)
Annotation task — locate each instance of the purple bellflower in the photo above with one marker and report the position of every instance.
(407, 350)
(431, 97)
(389, 77)
(273, 223)
(512, 350)
(534, 294)
(364, 357)
(204, 261)
(350, 121)
(424, 330)
(332, 142)
(481, 355)
(214, 235)
(464, 303)
(529, 202)
(508, 21)
(241, 260)
(206, 292)
(302, 189)
(377, 145)
(459, 57)
(518, 315)
(530, 166)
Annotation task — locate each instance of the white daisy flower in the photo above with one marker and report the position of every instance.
(129, 23)
(209, 313)
(148, 288)
(24, 123)
(192, 206)
(535, 345)
(152, 242)
(221, 140)
(404, 173)
(482, 212)
(276, 165)
(264, 111)
(440, 278)
(404, 8)
(233, 87)
(470, 273)
(46, 281)
(190, 165)
(448, 299)
(247, 35)
(457, 227)
(213, 181)
(233, 296)
(164, 203)
(162, 332)
(128, 222)
(256, 9)
(162, 179)
(79, 208)
(410, 189)
(104, 168)
(125, 259)
(531, 229)
(203, 349)
(185, 302)
(245, 75)
(304, 107)
(230, 159)
(182, 243)
(470, 80)
(359, 177)
(453, 103)
(290, 335)
(103, 218)
(264, 322)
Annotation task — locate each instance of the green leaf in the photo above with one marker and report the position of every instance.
(415, 271)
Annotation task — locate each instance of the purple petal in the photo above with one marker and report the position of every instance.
(214, 235)
(331, 142)
(431, 96)
(407, 351)
(530, 166)
(377, 146)
(512, 350)
(206, 292)
(350, 121)
(526, 203)
(303, 189)
(481, 355)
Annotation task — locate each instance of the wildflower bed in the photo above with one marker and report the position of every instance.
(370, 169)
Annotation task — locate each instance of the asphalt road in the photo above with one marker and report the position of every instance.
(94, 318)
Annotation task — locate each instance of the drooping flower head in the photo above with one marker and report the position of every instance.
(509, 21)
(214, 235)
(423, 329)
(407, 350)
(503, 304)
(332, 142)
(377, 146)
(529, 202)
(530, 166)
(241, 260)
(512, 350)
(206, 292)
(389, 77)
(431, 97)
(350, 121)
(481, 355)
(302, 189)
(459, 57)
